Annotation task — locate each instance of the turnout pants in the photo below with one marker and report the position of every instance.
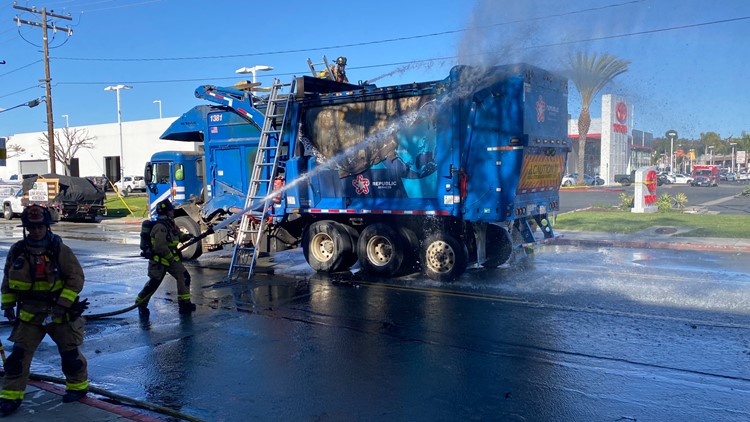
(156, 274)
(26, 338)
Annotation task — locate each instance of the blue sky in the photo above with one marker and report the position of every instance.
(689, 59)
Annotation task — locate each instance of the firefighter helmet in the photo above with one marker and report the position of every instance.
(36, 214)
(164, 206)
(341, 61)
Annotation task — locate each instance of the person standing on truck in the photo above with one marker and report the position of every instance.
(165, 236)
(42, 279)
(338, 70)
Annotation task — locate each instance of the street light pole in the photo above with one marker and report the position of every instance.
(711, 154)
(672, 135)
(733, 144)
(159, 102)
(117, 89)
(66, 119)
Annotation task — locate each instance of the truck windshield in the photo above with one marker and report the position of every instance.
(161, 173)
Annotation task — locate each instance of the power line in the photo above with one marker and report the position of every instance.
(360, 44)
(21, 90)
(605, 37)
(20, 68)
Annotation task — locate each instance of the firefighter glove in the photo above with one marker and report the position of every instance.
(77, 308)
(10, 314)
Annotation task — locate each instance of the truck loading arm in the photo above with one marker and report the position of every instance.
(238, 100)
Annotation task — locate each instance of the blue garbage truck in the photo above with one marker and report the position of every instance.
(433, 176)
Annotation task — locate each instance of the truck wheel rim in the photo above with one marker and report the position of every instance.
(379, 251)
(322, 247)
(440, 256)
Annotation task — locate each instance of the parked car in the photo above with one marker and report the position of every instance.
(743, 176)
(701, 181)
(681, 179)
(13, 205)
(570, 180)
(130, 183)
(730, 177)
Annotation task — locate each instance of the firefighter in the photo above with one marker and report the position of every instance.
(165, 236)
(339, 70)
(42, 279)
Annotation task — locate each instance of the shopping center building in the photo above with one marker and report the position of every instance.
(613, 146)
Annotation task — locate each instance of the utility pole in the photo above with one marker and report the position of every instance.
(47, 79)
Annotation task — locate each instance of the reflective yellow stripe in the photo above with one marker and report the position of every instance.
(80, 386)
(69, 294)
(161, 260)
(41, 286)
(11, 394)
(25, 315)
(58, 285)
(19, 284)
(186, 296)
(9, 298)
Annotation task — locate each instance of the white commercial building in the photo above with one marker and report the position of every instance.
(610, 145)
(140, 139)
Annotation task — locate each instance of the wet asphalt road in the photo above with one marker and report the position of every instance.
(572, 333)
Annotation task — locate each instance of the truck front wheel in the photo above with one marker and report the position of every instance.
(187, 225)
(380, 250)
(327, 246)
(7, 212)
(443, 257)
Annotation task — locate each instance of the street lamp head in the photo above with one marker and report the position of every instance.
(117, 87)
(259, 68)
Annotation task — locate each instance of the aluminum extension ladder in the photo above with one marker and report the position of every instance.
(327, 68)
(253, 222)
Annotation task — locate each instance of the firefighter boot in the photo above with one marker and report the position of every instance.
(143, 311)
(186, 307)
(8, 406)
(73, 395)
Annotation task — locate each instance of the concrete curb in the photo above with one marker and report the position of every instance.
(674, 245)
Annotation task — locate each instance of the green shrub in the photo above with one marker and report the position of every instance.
(664, 203)
(681, 200)
(626, 201)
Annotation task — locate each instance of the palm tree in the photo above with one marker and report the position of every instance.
(590, 75)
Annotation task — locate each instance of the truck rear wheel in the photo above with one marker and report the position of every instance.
(187, 225)
(327, 246)
(498, 245)
(443, 257)
(380, 250)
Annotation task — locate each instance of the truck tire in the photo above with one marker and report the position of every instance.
(351, 257)
(186, 225)
(380, 250)
(498, 245)
(327, 246)
(443, 257)
(625, 181)
(411, 250)
(7, 212)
